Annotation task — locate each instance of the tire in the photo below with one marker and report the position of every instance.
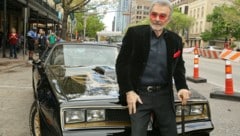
(35, 78)
(34, 120)
(201, 134)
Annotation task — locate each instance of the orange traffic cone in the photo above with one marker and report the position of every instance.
(196, 61)
(228, 93)
(195, 78)
(228, 79)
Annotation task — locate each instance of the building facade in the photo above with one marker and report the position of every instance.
(131, 12)
(24, 14)
(123, 15)
(139, 10)
(198, 9)
(39, 13)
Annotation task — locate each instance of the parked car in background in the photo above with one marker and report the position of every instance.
(213, 48)
(76, 94)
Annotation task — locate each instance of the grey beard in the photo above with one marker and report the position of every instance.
(154, 29)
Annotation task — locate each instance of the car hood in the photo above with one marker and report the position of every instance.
(85, 83)
(92, 83)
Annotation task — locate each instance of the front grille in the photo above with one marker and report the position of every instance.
(120, 115)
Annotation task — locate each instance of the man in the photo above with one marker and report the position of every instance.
(52, 38)
(13, 41)
(42, 41)
(149, 57)
(31, 40)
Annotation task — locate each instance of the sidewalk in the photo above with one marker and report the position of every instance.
(7, 63)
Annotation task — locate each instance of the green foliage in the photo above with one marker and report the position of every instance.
(225, 21)
(179, 21)
(81, 6)
(93, 24)
(206, 36)
(219, 26)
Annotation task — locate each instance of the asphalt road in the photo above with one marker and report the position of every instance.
(213, 70)
(16, 98)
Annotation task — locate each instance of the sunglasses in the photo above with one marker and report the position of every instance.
(161, 16)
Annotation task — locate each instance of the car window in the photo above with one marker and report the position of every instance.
(56, 58)
(87, 55)
(83, 55)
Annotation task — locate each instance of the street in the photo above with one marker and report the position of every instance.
(213, 70)
(15, 101)
(16, 98)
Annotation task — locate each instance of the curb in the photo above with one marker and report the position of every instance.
(9, 65)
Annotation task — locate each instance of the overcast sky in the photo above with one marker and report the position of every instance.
(107, 20)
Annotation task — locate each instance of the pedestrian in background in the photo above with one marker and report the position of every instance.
(13, 41)
(150, 56)
(32, 39)
(52, 39)
(1, 37)
(21, 40)
(42, 41)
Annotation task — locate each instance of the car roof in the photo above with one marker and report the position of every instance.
(87, 43)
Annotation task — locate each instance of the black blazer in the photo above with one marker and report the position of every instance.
(133, 55)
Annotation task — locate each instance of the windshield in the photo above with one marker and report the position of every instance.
(84, 55)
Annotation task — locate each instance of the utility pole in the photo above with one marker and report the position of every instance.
(4, 29)
(25, 31)
(84, 26)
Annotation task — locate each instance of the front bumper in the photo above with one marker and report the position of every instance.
(196, 127)
(98, 132)
(191, 129)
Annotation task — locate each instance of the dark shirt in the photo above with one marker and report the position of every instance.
(42, 40)
(155, 72)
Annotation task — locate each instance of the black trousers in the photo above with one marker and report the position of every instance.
(160, 104)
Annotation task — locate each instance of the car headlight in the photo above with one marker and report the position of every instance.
(196, 109)
(79, 115)
(74, 116)
(179, 110)
(95, 115)
(192, 112)
(189, 110)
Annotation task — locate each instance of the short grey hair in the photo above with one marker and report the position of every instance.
(162, 2)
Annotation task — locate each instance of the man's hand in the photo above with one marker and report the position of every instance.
(184, 95)
(132, 99)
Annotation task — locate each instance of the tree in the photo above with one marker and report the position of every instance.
(70, 6)
(219, 26)
(93, 24)
(225, 21)
(206, 36)
(179, 21)
(231, 17)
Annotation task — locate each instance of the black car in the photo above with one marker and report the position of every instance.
(76, 94)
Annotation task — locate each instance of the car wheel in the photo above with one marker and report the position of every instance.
(201, 134)
(34, 120)
(33, 82)
(35, 79)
